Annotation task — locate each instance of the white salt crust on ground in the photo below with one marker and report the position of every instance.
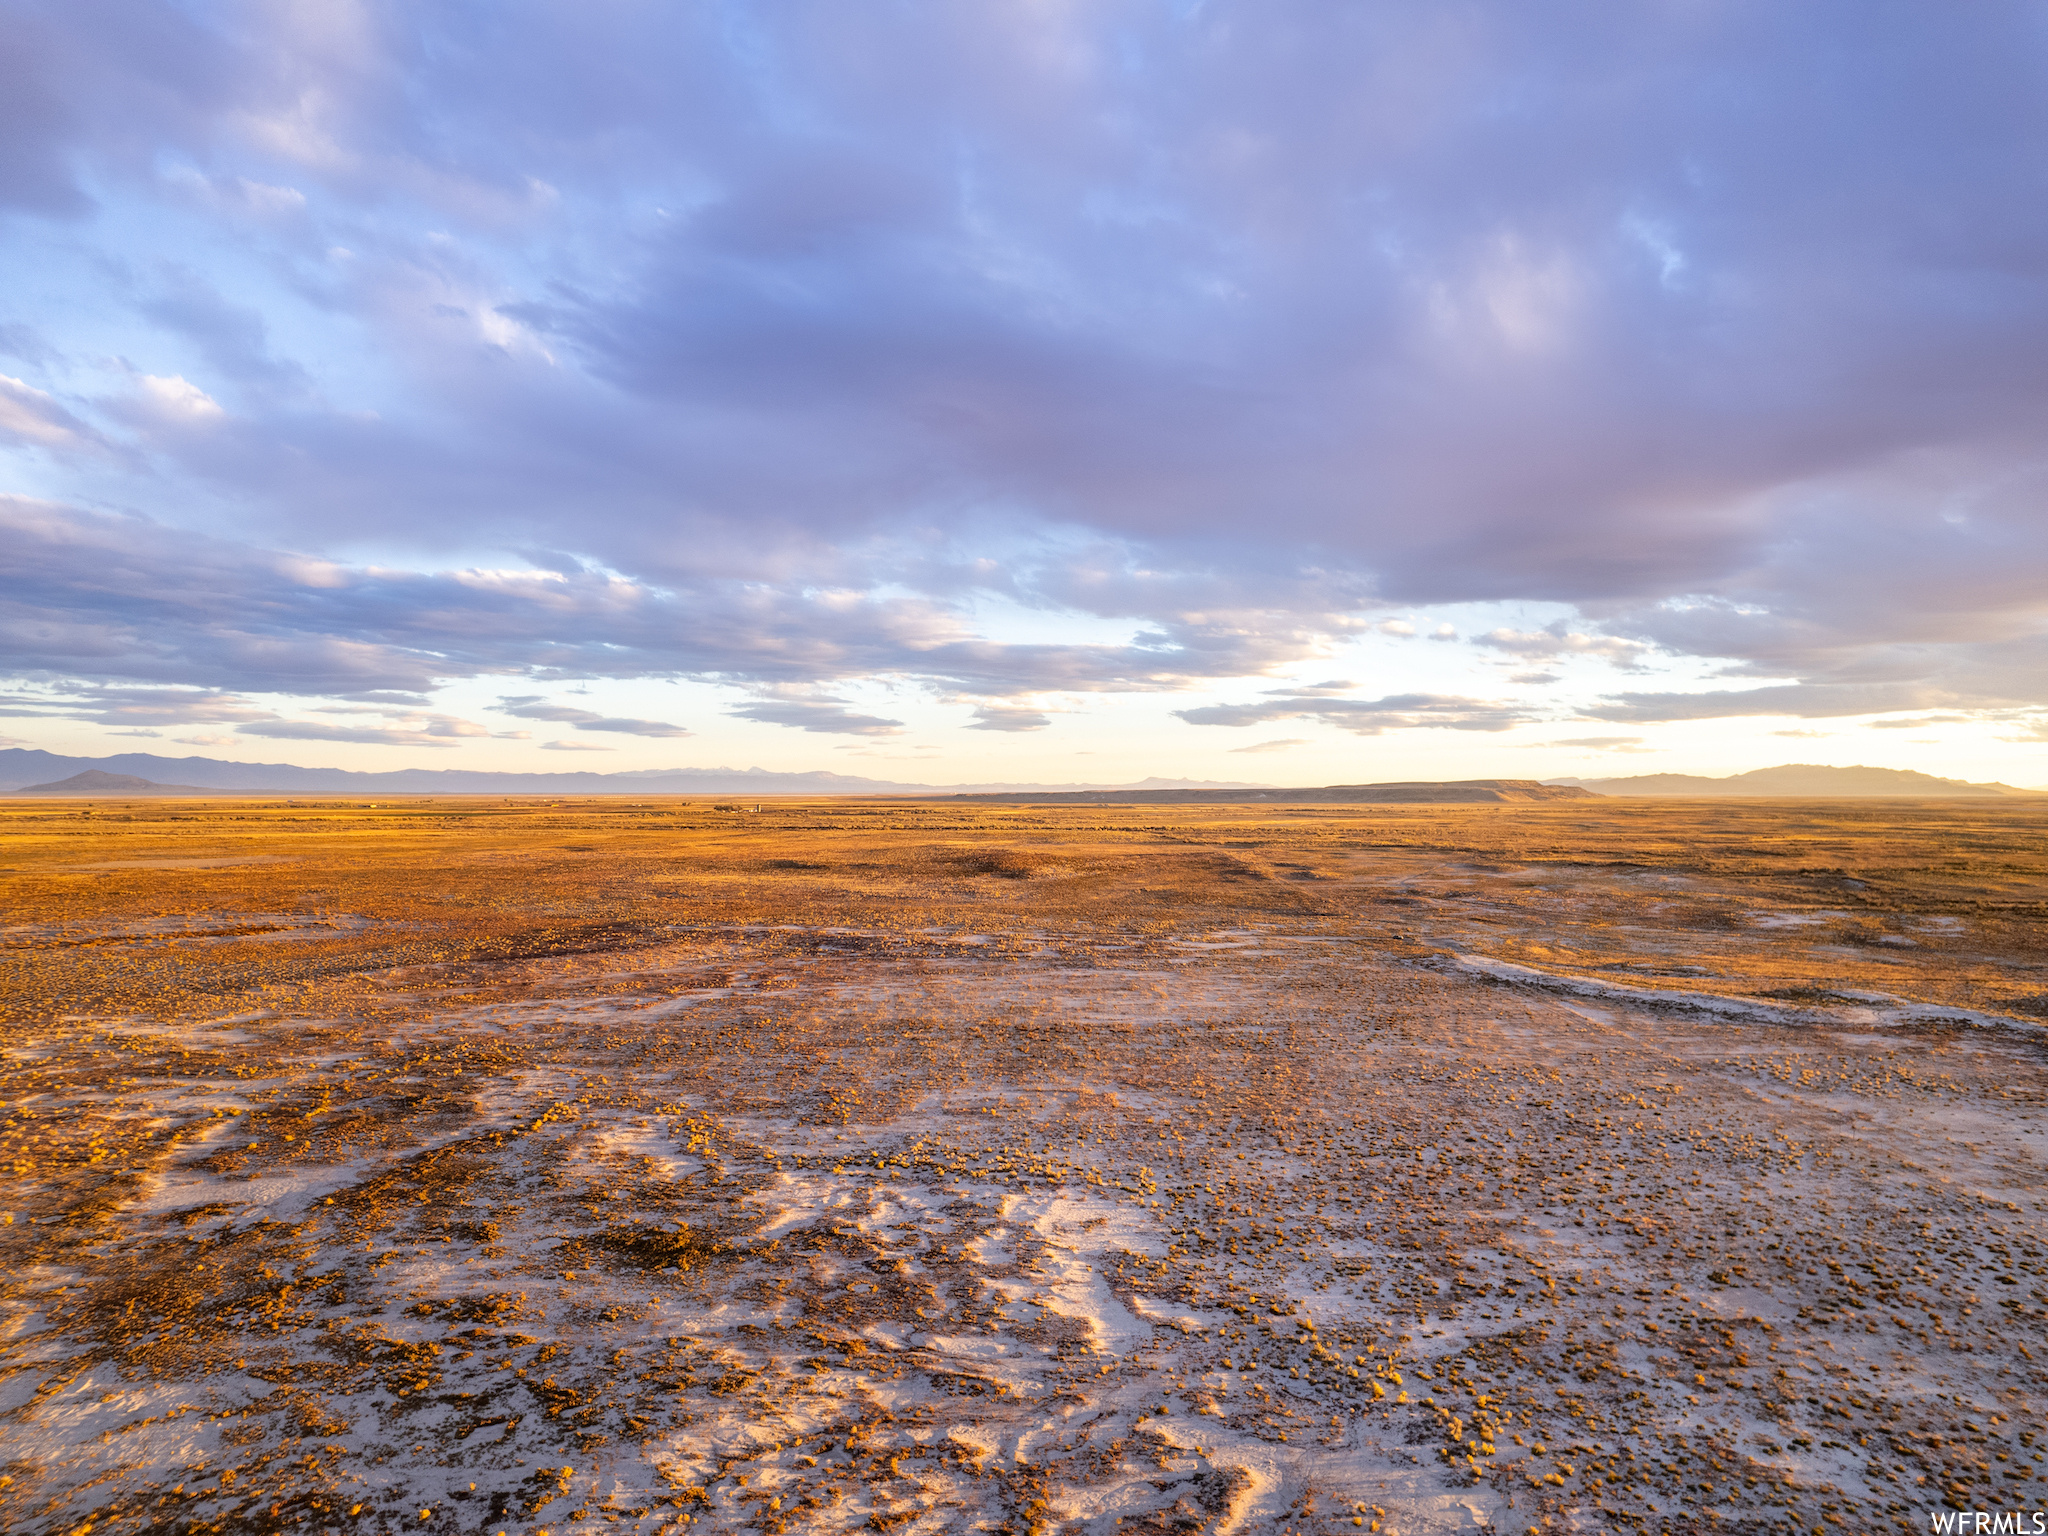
(1252, 1232)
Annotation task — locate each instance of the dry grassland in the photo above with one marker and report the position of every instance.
(478, 1166)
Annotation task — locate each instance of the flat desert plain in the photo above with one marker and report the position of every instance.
(480, 1166)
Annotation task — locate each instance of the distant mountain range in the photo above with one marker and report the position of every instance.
(1800, 779)
(98, 782)
(26, 771)
(94, 782)
(1430, 792)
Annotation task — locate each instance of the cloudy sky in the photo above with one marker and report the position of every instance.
(1046, 390)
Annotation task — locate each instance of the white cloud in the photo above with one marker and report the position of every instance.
(31, 417)
(1558, 642)
(177, 396)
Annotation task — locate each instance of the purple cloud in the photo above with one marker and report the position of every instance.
(91, 595)
(1808, 700)
(785, 338)
(1366, 717)
(31, 418)
(822, 714)
(586, 719)
(360, 735)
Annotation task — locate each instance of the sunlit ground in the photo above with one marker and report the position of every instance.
(575, 1166)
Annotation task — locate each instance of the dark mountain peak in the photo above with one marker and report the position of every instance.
(94, 781)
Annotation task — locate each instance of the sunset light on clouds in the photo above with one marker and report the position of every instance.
(1047, 392)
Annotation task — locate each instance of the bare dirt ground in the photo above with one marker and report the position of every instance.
(479, 1166)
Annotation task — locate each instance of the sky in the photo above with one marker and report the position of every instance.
(1038, 391)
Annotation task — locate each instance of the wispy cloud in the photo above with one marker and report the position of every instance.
(824, 715)
(132, 707)
(31, 418)
(586, 719)
(1367, 717)
(407, 731)
(1598, 743)
(1008, 717)
(1554, 644)
(1811, 700)
(92, 593)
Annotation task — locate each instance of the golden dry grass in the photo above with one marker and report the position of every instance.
(476, 1165)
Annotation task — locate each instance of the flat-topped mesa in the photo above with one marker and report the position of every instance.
(1452, 792)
